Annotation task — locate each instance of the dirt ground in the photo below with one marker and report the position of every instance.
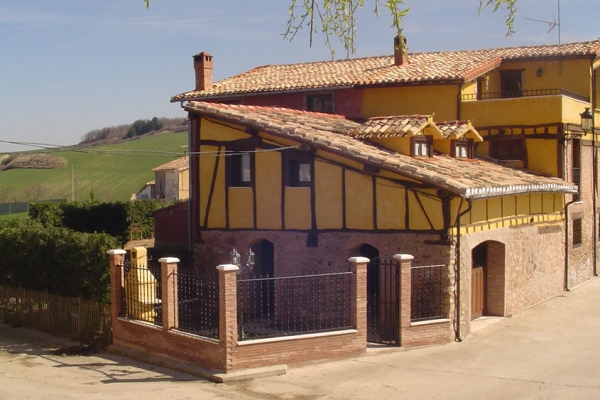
(548, 352)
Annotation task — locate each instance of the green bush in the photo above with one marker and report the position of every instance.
(55, 259)
(124, 220)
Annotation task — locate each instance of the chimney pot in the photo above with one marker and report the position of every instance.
(203, 66)
(400, 52)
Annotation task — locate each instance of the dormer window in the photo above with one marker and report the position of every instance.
(422, 146)
(462, 148)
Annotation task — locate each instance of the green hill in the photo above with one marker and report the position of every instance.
(112, 172)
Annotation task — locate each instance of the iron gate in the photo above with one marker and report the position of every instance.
(383, 302)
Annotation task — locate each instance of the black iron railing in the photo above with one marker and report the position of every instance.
(427, 292)
(197, 304)
(524, 93)
(293, 305)
(383, 296)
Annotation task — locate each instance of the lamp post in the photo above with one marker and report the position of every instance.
(587, 120)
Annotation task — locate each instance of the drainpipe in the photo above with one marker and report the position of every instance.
(567, 244)
(593, 100)
(457, 333)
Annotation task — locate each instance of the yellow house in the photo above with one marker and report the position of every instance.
(475, 160)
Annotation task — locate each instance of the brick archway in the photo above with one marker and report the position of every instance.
(488, 279)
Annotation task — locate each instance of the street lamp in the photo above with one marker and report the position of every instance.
(587, 120)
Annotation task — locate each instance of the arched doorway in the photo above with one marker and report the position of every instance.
(488, 279)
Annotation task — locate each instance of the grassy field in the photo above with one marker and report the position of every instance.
(112, 172)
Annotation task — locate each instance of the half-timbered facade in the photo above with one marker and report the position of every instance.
(306, 191)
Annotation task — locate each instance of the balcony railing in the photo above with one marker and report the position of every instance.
(524, 93)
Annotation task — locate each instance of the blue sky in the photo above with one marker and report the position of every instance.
(68, 67)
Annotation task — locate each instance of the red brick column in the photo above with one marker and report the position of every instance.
(116, 261)
(228, 329)
(405, 283)
(168, 270)
(359, 295)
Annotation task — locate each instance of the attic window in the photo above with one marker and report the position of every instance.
(320, 103)
(421, 146)
(462, 148)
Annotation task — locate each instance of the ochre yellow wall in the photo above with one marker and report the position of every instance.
(297, 208)
(359, 196)
(328, 196)
(268, 190)
(241, 208)
(214, 131)
(426, 100)
(572, 75)
(542, 156)
(216, 216)
(400, 144)
(391, 205)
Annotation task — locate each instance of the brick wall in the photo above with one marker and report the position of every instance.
(227, 354)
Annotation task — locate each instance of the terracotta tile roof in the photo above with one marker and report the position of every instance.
(392, 126)
(178, 165)
(381, 71)
(458, 129)
(469, 179)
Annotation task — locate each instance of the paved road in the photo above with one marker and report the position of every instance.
(551, 351)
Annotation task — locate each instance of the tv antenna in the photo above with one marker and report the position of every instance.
(553, 24)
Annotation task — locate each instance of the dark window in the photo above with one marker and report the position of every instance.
(462, 148)
(576, 162)
(480, 84)
(299, 170)
(508, 149)
(577, 231)
(511, 83)
(240, 169)
(320, 103)
(421, 146)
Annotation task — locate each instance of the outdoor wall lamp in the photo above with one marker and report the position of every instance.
(236, 258)
(587, 120)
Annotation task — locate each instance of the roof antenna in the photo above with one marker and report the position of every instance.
(553, 24)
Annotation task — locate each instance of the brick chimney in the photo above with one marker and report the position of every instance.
(203, 65)
(400, 52)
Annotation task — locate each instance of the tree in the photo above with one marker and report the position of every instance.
(336, 19)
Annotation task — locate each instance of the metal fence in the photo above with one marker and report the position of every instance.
(83, 320)
(142, 300)
(293, 305)
(197, 304)
(427, 292)
(20, 207)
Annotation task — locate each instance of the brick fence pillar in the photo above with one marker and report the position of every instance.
(116, 261)
(359, 295)
(405, 283)
(168, 279)
(228, 329)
